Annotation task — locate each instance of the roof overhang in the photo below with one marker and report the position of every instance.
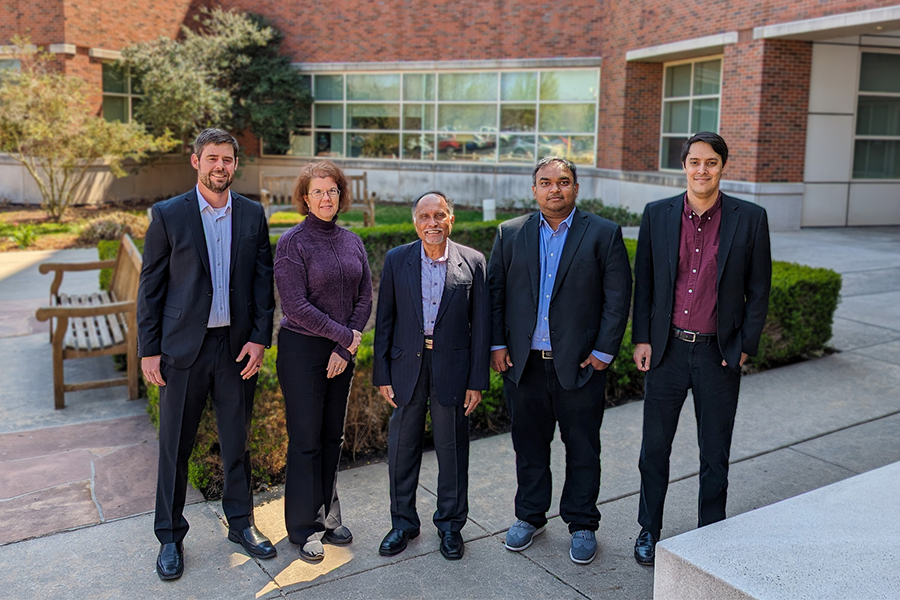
(702, 46)
(875, 21)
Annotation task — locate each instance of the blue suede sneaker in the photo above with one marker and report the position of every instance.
(584, 547)
(521, 534)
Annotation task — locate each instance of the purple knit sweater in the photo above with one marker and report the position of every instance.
(322, 274)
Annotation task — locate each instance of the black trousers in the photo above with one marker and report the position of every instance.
(315, 409)
(536, 405)
(451, 444)
(696, 366)
(181, 404)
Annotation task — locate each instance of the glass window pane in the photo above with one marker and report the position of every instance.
(418, 86)
(114, 79)
(466, 117)
(374, 145)
(329, 116)
(671, 152)
(329, 87)
(876, 159)
(517, 117)
(418, 116)
(705, 115)
(449, 147)
(578, 149)
(467, 86)
(301, 143)
(678, 81)
(570, 85)
(577, 118)
(517, 148)
(115, 108)
(879, 73)
(418, 146)
(518, 86)
(878, 116)
(10, 63)
(706, 78)
(329, 144)
(676, 117)
(373, 116)
(373, 87)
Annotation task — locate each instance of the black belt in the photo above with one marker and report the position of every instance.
(691, 336)
(429, 342)
(544, 354)
(218, 331)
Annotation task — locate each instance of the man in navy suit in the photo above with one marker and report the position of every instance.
(205, 307)
(702, 275)
(432, 334)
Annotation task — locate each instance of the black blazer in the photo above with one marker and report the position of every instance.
(744, 277)
(461, 355)
(590, 298)
(175, 294)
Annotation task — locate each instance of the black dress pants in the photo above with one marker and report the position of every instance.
(536, 405)
(181, 404)
(315, 409)
(451, 444)
(696, 366)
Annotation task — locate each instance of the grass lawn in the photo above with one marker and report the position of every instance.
(17, 221)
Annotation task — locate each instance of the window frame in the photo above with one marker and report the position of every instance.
(129, 94)
(856, 136)
(691, 98)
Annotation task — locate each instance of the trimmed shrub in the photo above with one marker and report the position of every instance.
(112, 226)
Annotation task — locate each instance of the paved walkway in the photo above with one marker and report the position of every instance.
(798, 428)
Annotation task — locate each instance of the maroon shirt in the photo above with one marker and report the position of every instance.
(698, 261)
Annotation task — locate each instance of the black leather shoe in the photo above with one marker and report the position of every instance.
(170, 562)
(339, 535)
(254, 542)
(452, 545)
(645, 548)
(395, 541)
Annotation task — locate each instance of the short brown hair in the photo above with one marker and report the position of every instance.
(322, 168)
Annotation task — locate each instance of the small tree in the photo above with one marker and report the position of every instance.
(46, 125)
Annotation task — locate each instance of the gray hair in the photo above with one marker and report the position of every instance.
(433, 193)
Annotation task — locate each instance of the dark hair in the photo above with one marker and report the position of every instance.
(214, 137)
(322, 168)
(713, 139)
(554, 159)
(433, 193)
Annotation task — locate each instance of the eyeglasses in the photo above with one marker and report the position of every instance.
(317, 195)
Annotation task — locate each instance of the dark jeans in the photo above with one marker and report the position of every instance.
(451, 444)
(315, 409)
(696, 366)
(181, 404)
(536, 405)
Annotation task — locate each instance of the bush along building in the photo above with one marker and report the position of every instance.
(466, 96)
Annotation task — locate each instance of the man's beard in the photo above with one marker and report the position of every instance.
(216, 188)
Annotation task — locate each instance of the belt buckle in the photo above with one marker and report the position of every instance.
(547, 354)
(429, 343)
(693, 335)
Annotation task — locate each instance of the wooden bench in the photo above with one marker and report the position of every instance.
(276, 191)
(96, 324)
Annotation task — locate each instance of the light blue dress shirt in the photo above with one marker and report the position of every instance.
(217, 229)
(434, 274)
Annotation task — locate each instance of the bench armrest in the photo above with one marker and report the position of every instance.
(45, 268)
(48, 312)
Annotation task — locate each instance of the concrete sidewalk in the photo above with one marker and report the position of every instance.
(798, 428)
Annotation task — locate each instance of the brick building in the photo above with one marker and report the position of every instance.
(465, 96)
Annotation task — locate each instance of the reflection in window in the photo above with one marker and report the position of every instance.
(691, 93)
(480, 116)
(876, 152)
(121, 94)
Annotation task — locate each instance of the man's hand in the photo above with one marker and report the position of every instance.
(473, 399)
(500, 360)
(642, 354)
(336, 365)
(357, 338)
(150, 367)
(256, 352)
(595, 362)
(388, 392)
(744, 357)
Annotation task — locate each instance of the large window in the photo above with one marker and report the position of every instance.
(121, 94)
(483, 116)
(691, 93)
(877, 149)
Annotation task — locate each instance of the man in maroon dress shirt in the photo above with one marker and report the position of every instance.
(702, 275)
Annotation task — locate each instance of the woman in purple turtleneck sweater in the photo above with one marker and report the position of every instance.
(322, 274)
